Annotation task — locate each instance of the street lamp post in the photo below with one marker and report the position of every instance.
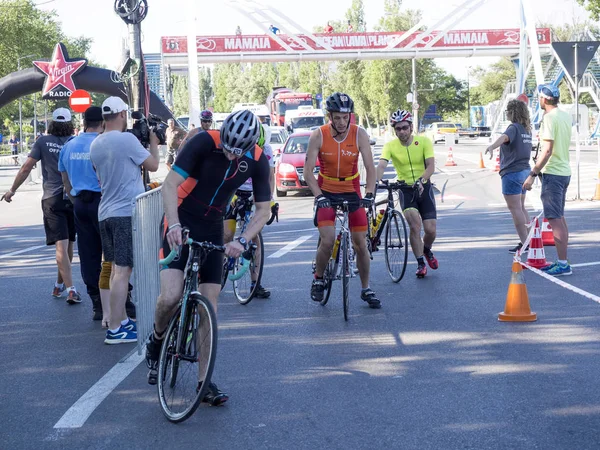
(21, 102)
(469, 96)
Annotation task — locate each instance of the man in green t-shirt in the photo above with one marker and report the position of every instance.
(413, 159)
(553, 167)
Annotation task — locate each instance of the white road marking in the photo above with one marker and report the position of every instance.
(25, 250)
(597, 263)
(291, 246)
(83, 408)
(269, 233)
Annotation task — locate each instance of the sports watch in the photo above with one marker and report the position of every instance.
(243, 241)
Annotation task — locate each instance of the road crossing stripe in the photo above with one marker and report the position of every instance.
(83, 408)
(291, 246)
(25, 250)
(597, 263)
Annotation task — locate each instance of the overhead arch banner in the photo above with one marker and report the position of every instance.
(59, 77)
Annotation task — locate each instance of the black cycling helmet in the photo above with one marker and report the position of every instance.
(240, 132)
(339, 102)
(206, 115)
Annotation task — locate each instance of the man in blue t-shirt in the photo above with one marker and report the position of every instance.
(83, 188)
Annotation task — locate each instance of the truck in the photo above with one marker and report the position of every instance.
(282, 99)
(304, 118)
(260, 110)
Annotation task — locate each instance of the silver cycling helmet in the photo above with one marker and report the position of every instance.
(240, 132)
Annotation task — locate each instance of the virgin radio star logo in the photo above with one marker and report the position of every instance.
(59, 73)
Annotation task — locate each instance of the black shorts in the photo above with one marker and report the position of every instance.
(211, 270)
(117, 240)
(425, 204)
(59, 219)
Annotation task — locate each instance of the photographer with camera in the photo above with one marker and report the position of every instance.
(117, 157)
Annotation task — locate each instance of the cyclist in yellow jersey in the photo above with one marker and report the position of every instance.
(413, 159)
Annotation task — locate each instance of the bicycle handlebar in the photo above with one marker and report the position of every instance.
(207, 246)
(393, 186)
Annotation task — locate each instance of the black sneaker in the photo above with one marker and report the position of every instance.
(519, 246)
(152, 355)
(261, 292)
(370, 297)
(213, 396)
(317, 289)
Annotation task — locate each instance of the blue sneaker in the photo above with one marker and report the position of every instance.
(557, 269)
(122, 336)
(131, 325)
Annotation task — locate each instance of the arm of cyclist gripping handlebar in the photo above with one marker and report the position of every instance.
(314, 144)
(169, 194)
(364, 147)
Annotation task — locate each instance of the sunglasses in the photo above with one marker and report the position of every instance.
(233, 150)
(403, 128)
(206, 121)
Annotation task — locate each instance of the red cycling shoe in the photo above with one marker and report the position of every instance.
(421, 271)
(431, 260)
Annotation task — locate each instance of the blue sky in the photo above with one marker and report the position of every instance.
(167, 17)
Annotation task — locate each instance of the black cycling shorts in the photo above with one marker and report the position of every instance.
(425, 203)
(211, 270)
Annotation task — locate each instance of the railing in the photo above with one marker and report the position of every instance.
(510, 91)
(147, 240)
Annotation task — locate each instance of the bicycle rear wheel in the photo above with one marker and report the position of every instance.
(396, 246)
(243, 288)
(345, 274)
(181, 368)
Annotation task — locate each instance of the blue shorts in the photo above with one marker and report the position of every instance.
(512, 183)
(554, 195)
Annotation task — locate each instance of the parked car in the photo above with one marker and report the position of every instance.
(278, 138)
(437, 131)
(289, 171)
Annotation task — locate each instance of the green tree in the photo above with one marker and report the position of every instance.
(593, 6)
(205, 87)
(181, 104)
(491, 81)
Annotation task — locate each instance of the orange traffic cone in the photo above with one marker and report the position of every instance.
(597, 194)
(497, 167)
(481, 163)
(517, 307)
(450, 159)
(547, 234)
(536, 256)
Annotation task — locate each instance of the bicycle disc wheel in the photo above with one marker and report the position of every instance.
(345, 274)
(180, 369)
(243, 288)
(396, 246)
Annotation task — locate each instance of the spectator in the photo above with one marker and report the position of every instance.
(14, 147)
(238, 31)
(349, 28)
(117, 157)
(81, 184)
(174, 137)
(59, 222)
(555, 171)
(328, 29)
(273, 29)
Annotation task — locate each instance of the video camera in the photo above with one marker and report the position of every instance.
(142, 126)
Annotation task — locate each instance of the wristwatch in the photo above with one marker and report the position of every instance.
(243, 241)
(533, 174)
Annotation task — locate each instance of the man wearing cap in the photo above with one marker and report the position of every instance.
(553, 168)
(81, 184)
(117, 157)
(59, 222)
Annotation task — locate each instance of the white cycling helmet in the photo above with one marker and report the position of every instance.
(400, 115)
(240, 132)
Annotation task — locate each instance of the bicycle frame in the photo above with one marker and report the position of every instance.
(344, 232)
(388, 211)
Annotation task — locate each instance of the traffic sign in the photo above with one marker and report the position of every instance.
(319, 97)
(567, 53)
(80, 100)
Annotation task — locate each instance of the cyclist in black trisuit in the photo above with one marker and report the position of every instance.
(208, 170)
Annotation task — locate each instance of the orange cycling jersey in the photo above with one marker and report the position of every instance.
(339, 162)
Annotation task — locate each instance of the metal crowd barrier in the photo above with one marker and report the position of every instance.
(146, 219)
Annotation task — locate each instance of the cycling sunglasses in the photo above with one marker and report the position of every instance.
(233, 150)
(402, 128)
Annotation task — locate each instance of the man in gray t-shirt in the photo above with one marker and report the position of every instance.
(59, 221)
(117, 157)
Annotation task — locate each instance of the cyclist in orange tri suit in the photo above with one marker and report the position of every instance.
(337, 145)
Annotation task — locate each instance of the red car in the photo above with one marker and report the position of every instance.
(289, 171)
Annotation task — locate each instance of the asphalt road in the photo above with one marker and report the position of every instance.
(432, 369)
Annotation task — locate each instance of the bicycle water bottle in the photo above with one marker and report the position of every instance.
(379, 219)
(336, 246)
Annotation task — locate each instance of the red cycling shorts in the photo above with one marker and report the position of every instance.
(357, 216)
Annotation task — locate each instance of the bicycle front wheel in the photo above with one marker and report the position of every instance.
(245, 287)
(396, 246)
(185, 365)
(345, 274)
